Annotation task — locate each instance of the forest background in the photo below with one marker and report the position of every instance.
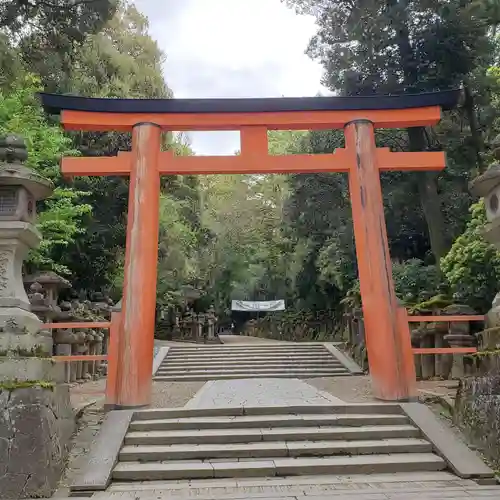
(266, 237)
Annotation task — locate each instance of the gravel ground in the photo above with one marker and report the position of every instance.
(174, 394)
(354, 389)
(357, 389)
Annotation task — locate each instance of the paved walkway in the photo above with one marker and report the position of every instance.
(259, 392)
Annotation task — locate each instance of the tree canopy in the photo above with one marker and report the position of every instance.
(263, 237)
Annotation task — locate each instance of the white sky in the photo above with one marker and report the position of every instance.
(232, 48)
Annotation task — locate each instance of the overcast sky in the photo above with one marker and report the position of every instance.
(232, 48)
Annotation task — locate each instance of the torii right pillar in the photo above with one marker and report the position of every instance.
(392, 367)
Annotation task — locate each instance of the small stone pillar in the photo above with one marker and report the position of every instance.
(35, 412)
(211, 320)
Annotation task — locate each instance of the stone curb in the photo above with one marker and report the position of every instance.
(158, 359)
(103, 456)
(462, 460)
(347, 362)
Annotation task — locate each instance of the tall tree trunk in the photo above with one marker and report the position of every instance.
(427, 182)
(429, 199)
(477, 139)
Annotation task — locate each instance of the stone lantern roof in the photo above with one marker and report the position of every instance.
(12, 171)
(485, 183)
(47, 278)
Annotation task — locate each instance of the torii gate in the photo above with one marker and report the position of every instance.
(388, 343)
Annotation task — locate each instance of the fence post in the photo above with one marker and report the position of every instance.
(409, 373)
(112, 375)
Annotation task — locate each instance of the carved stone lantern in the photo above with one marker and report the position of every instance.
(51, 282)
(36, 419)
(20, 188)
(487, 185)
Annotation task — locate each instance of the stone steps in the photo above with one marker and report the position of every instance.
(251, 355)
(273, 449)
(279, 346)
(219, 362)
(251, 363)
(264, 421)
(223, 376)
(244, 372)
(290, 466)
(270, 434)
(195, 444)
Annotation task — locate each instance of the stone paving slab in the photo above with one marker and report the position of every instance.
(259, 392)
(367, 492)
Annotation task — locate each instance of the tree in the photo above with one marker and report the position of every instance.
(395, 46)
(121, 60)
(48, 33)
(472, 266)
(60, 220)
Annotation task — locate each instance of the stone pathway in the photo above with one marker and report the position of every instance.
(260, 392)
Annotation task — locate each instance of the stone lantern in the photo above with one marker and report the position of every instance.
(20, 188)
(487, 185)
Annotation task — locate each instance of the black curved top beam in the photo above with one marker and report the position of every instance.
(55, 103)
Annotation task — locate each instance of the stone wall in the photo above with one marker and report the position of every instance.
(477, 411)
(36, 425)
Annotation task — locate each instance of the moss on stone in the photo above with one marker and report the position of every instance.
(482, 354)
(12, 385)
(34, 352)
(436, 302)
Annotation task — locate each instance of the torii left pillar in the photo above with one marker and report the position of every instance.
(136, 331)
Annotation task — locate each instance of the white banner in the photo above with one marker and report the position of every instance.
(258, 306)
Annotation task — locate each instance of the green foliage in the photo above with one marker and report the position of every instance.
(264, 236)
(61, 215)
(47, 34)
(414, 281)
(177, 265)
(472, 266)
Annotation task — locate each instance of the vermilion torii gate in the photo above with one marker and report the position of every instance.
(386, 325)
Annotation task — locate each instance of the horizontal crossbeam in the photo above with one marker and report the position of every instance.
(170, 164)
(288, 120)
(444, 318)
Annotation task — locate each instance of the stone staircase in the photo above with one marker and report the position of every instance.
(263, 442)
(280, 360)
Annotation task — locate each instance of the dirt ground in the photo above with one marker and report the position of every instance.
(357, 389)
